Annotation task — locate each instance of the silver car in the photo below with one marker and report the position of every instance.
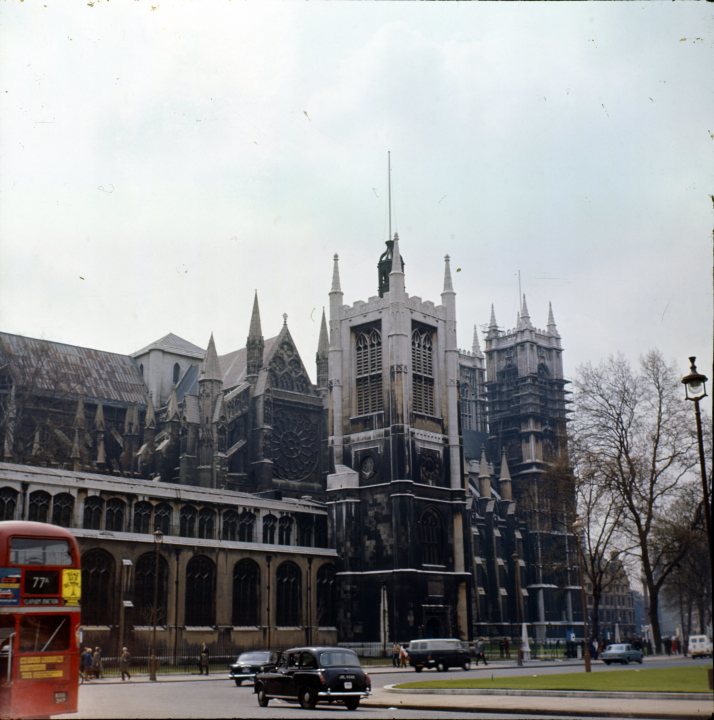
(621, 652)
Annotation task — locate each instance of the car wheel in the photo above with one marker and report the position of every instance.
(467, 665)
(441, 667)
(640, 661)
(626, 661)
(352, 703)
(263, 699)
(238, 683)
(418, 668)
(308, 698)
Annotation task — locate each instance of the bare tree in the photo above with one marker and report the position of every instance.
(634, 427)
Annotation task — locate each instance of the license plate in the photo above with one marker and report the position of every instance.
(348, 685)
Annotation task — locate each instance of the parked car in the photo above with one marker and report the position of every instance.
(309, 675)
(248, 664)
(621, 652)
(699, 646)
(439, 653)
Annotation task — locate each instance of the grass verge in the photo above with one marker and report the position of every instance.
(686, 679)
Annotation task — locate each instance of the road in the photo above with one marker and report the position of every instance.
(216, 696)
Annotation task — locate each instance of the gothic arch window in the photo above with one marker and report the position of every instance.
(144, 574)
(93, 509)
(326, 596)
(229, 530)
(62, 509)
(269, 523)
(8, 503)
(114, 519)
(430, 533)
(176, 373)
(368, 371)
(321, 531)
(288, 581)
(422, 371)
(39, 506)
(142, 517)
(246, 527)
(187, 521)
(206, 523)
(141, 369)
(200, 591)
(162, 518)
(97, 587)
(246, 593)
(285, 530)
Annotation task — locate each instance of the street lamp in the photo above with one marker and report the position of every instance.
(695, 388)
(158, 538)
(579, 527)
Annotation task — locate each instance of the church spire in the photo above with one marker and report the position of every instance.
(255, 343)
(336, 274)
(210, 369)
(484, 476)
(448, 285)
(323, 347)
(552, 329)
(475, 345)
(505, 478)
(524, 320)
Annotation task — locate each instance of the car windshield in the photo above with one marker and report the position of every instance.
(615, 648)
(335, 658)
(254, 657)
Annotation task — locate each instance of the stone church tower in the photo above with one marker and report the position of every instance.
(396, 490)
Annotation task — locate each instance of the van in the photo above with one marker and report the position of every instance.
(439, 653)
(699, 646)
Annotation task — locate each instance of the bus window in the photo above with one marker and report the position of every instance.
(44, 633)
(39, 551)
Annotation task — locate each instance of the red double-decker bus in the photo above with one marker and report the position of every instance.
(40, 589)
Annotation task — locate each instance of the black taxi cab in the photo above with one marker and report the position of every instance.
(308, 675)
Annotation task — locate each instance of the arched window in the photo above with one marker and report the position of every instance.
(114, 519)
(162, 518)
(176, 373)
(93, 508)
(62, 509)
(200, 591)
(288, 581)
(206, 523)
(321, 531)
(187, 527)
(422, 372)
(326, 596)
(246, 527)
(230, 525)
(142, 517)
(269, 523)
(97, 587)
(246, 593)
(8, 503)
(39, 509)
(285, 529)
(368, 367)
(429, 529)
(141, 369)
(144, 589)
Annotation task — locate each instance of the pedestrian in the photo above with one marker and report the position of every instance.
(403, 656)
(203, 660)
(125, 663)
(507, 647)
(502, 648)
(85, 664)
(97, 662)
(395, 654)
(480, 651)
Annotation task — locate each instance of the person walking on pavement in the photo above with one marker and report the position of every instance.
(85, 665)
(395, 654)
(97, 662)
(203, 660)
(125, 663)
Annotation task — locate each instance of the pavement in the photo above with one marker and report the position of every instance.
(679, 706)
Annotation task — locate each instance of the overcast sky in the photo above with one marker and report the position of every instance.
(160, 163)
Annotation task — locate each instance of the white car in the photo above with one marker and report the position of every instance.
(699, 646)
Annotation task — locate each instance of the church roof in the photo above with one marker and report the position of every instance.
(172, 344)
(70, 371)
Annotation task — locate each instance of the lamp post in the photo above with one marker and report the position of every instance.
(578, 527)
(158, 537)
(695, 388)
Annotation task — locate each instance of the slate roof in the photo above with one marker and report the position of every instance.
(173, 344)
(60, 370)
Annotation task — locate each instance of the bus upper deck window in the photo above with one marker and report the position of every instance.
(39, 551)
